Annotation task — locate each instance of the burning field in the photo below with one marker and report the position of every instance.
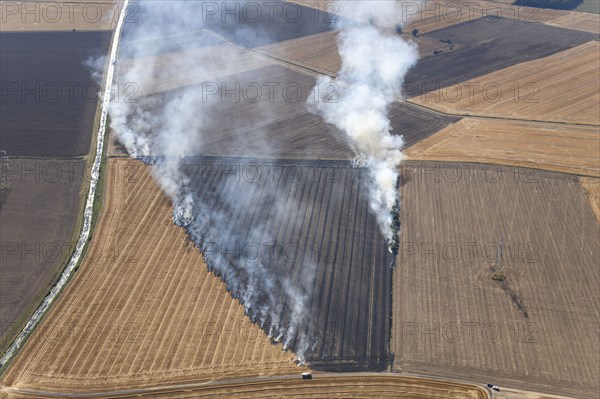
(273, 205)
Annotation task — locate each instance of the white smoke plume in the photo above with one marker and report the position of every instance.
(169, 128)
(374, 64)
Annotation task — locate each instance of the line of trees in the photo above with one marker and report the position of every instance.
(554, 4)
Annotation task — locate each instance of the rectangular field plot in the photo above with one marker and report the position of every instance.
(538, 328)
(488, 44)
(48, 95)
(559, 147)
(37, 218)
(309, 225)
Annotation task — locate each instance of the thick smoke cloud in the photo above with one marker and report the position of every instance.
(170, 129)
(374, 65)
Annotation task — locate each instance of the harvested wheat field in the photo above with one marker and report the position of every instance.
(563, 87)
(578, 20)
(535, 329)
(66, 15)
(142, 308)
(591, 187)
(319, 52)
(564, 148)
(488, 45)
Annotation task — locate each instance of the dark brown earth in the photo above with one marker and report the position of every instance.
(36, 228)
(49, 98)
(451, 318)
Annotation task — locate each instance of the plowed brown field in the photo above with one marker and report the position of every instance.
(142, 308)
(451, 317)
(563, 87)
(564, 148)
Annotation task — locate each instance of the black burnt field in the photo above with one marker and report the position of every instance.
(308, 222)
(487, 45)
(48, 97)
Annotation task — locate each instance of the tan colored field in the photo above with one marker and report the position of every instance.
(358, 385)
(142, 309)
(563, 87)
(563, 148)
(578, 20)
(57, 15)
(591, 187)
(319, 52)
(178, 69)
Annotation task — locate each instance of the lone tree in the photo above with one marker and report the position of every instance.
(399, 29)
(415, 32)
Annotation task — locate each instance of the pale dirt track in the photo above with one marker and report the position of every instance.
(361, 385)
(36, 16)
(142, 308)
(563, 87)
(591, 187)
(558, 147)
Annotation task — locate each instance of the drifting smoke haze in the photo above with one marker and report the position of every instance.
(171, 129)
(374, 65)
